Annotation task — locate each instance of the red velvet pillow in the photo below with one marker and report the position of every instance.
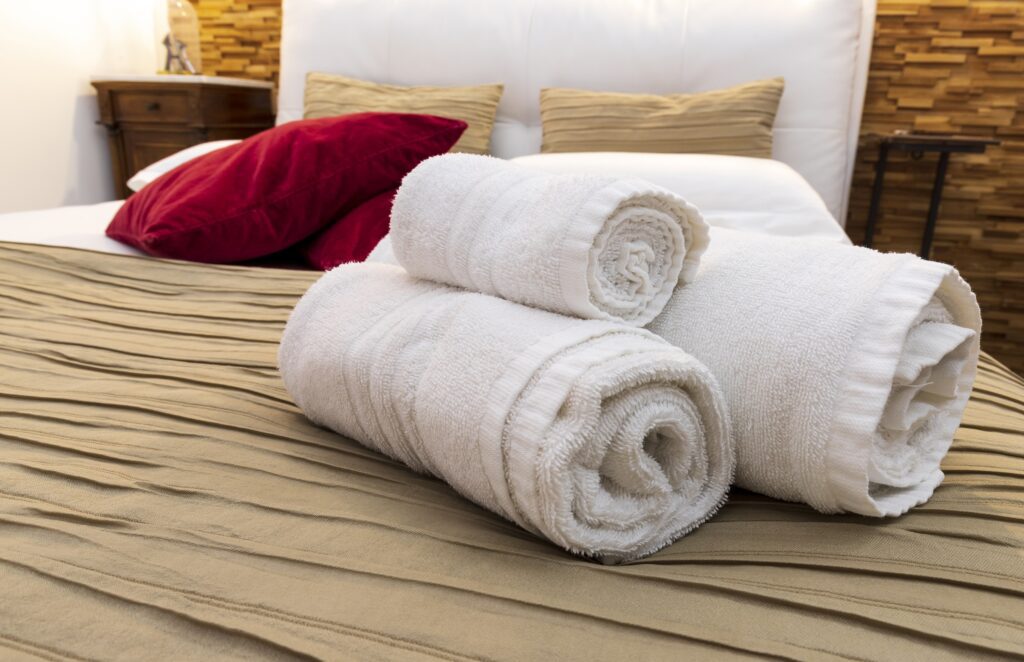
(277, 187)
(353, 236)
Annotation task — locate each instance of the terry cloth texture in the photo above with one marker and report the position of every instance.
(586, 245)
(846, 370)
(162, 498)
(603, 438)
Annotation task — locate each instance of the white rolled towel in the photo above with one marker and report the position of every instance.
(846, 370)
(592, 246)
(603, 438)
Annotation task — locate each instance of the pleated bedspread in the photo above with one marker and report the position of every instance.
(161, 498)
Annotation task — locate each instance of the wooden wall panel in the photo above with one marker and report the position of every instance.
(937, 65)
(240, 38)
(953, 66)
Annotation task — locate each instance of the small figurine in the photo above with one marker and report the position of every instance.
(184, 54)
(177, 56)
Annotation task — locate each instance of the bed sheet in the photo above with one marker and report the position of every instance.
(78, 226)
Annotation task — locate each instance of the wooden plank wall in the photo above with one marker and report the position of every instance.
(937, 65)
(240, 38)
(953, 66)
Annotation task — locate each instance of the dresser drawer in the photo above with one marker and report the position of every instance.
(161, 106)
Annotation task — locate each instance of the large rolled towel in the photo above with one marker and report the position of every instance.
(846, 370)
(591, 246)
(601, 437)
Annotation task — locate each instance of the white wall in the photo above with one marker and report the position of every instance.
(51, 151)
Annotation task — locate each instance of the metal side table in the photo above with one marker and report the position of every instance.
(917, 144)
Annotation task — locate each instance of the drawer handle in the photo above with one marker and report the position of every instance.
(153, 106)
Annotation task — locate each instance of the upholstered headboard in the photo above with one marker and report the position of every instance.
(821, 47)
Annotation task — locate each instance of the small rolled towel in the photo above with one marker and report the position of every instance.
(591, 246)
(846, 370)
(603, 438)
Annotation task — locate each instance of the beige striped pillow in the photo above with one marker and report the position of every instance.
(737, 120)
(327, 95)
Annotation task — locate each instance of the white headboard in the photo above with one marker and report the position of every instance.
(821, 47)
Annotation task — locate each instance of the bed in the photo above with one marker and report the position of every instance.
(80, 226)
(162, 498)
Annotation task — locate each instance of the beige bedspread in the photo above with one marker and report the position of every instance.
(161, 498)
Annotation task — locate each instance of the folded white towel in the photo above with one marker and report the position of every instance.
(601, 437)
(592, 246)
(846, 370)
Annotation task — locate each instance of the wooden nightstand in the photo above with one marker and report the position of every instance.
(151, 117)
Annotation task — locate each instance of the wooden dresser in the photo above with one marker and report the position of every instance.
(150, 117)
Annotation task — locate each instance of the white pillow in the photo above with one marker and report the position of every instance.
(739, 192)
(154, 170)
